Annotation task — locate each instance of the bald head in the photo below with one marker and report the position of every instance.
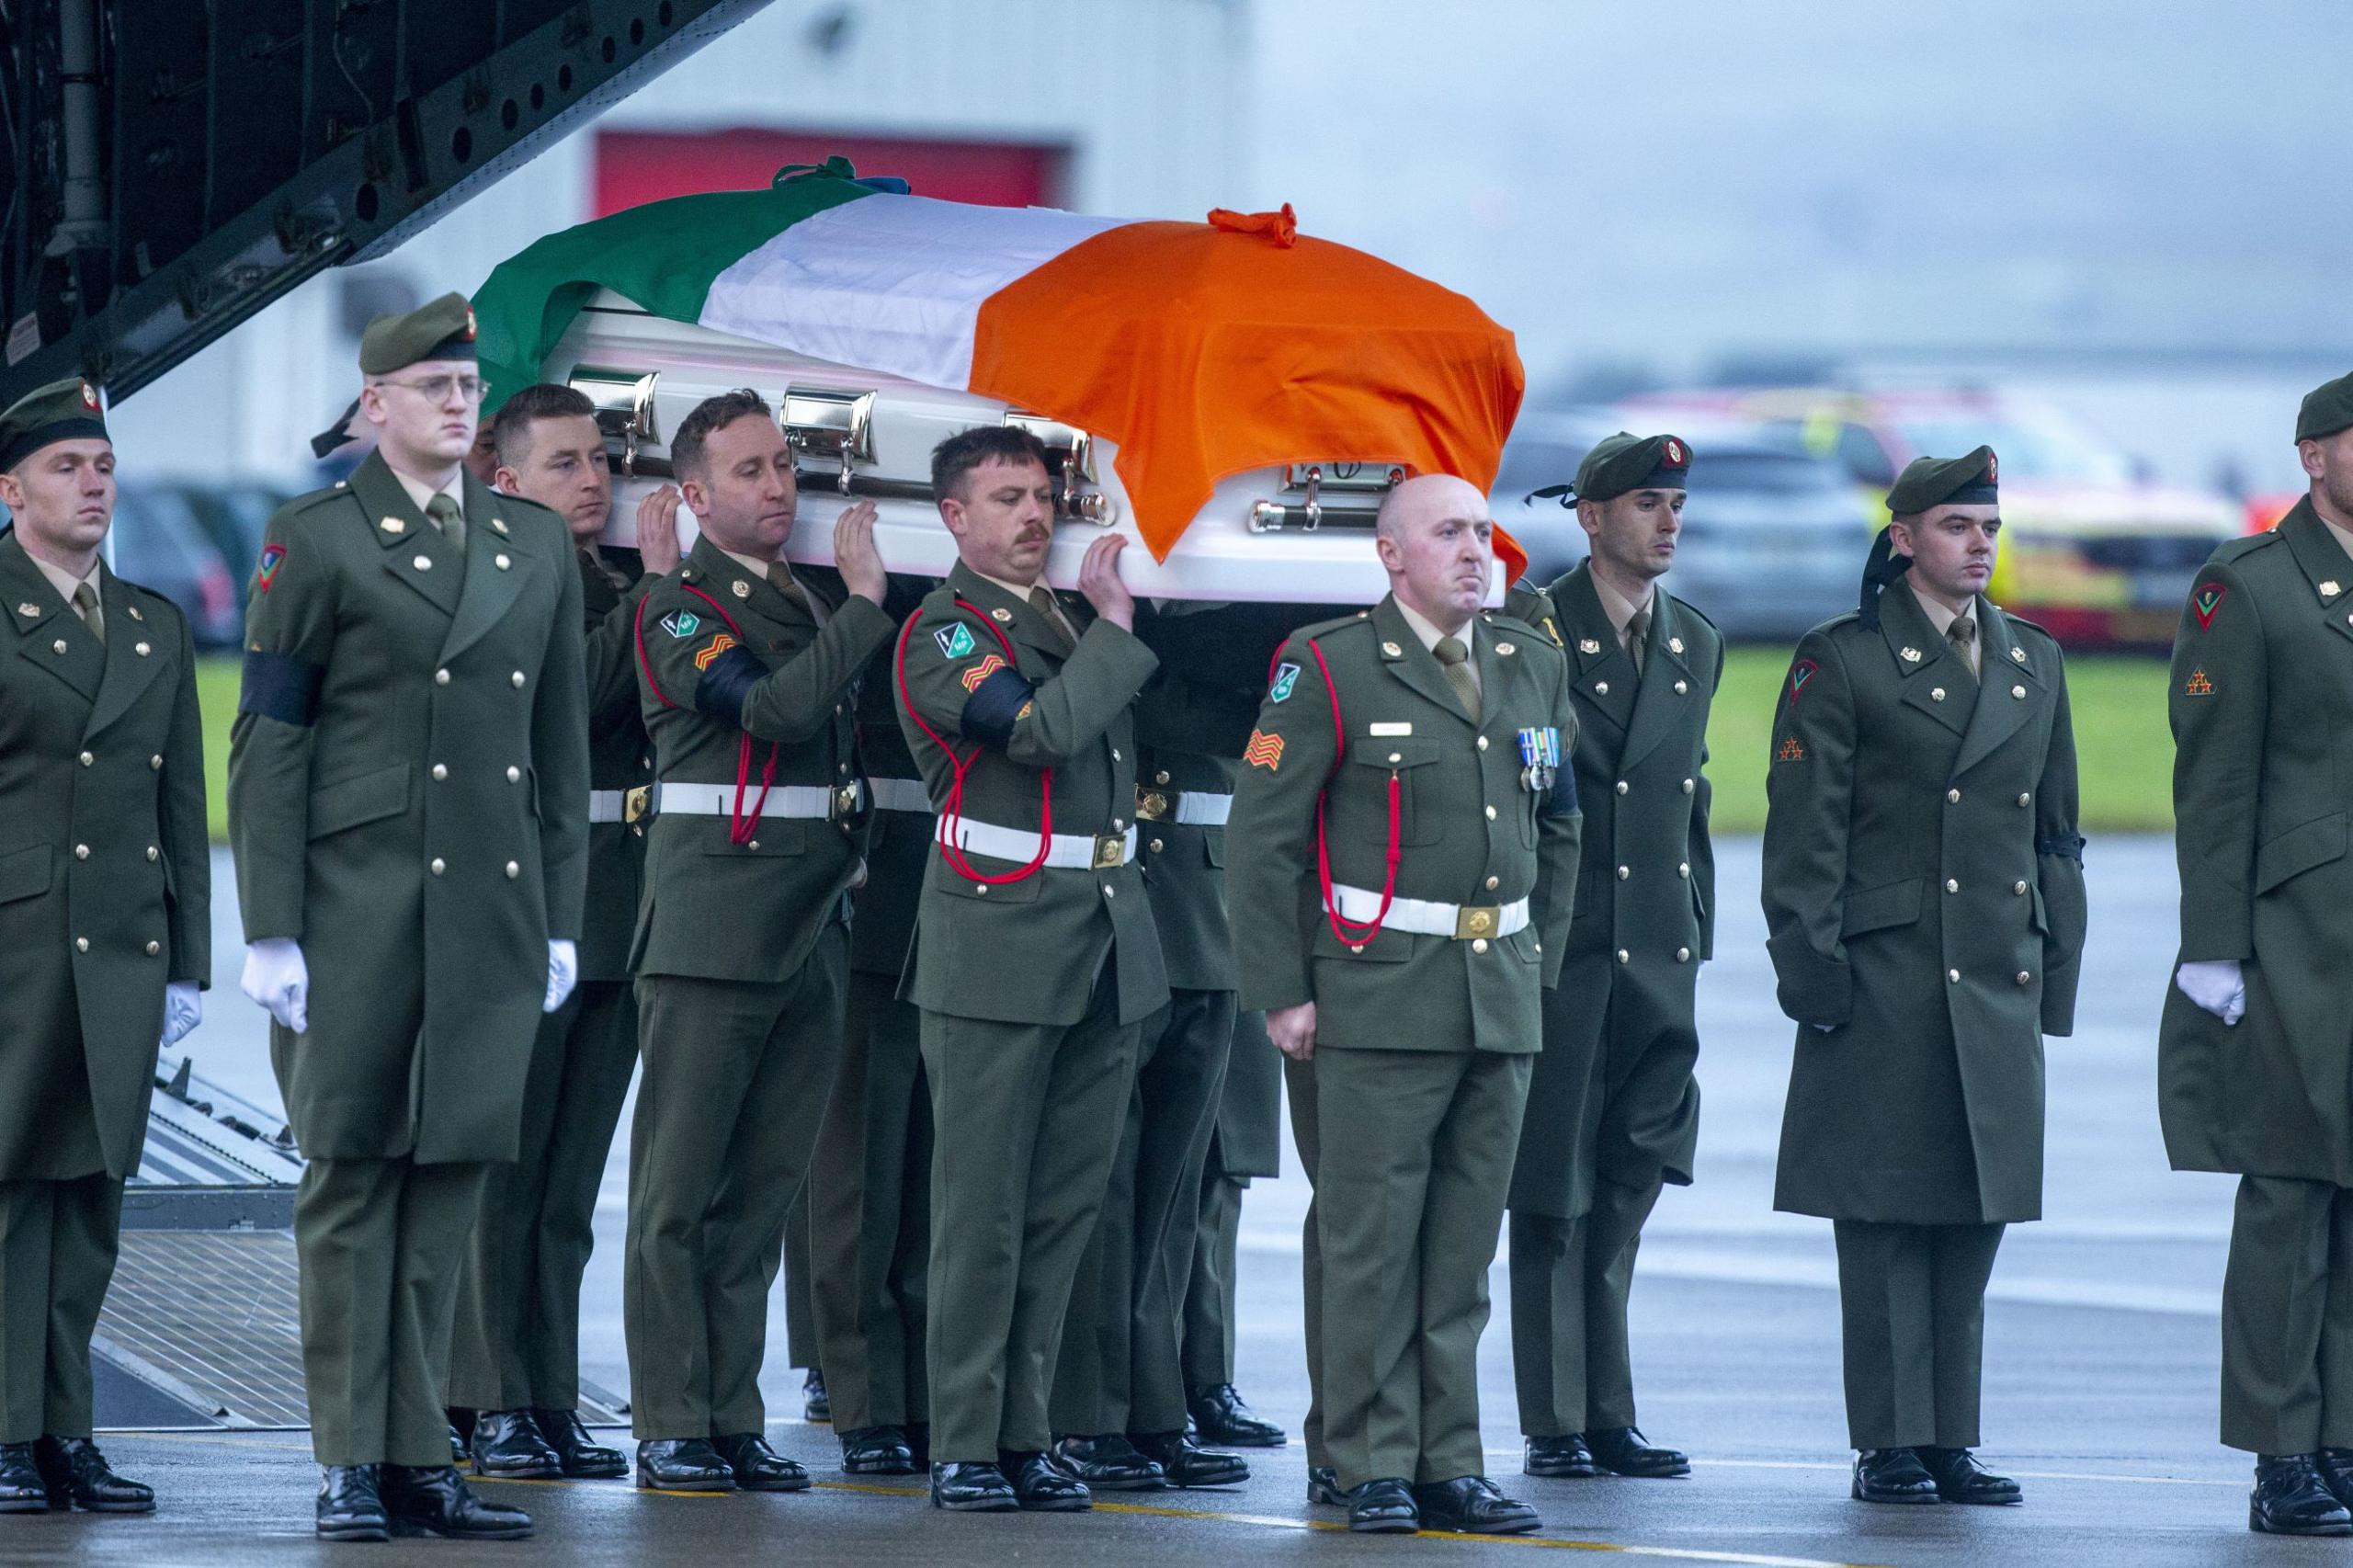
(1435, 539)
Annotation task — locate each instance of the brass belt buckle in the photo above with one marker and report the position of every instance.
(1111, 851)
(846, 801)
(1152, 805)
(637, 804)
(1477, 920)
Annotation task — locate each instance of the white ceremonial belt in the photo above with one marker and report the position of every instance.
(607, 805)
(783, 802)
(1423, 918)
(1080, 851)
(899, 794)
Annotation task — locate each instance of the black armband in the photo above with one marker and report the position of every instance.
(726, 685)
(280, 686)
(2068, 847)
(1562, 799)
(990, 712)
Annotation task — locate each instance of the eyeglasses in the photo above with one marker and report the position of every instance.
(436, 388)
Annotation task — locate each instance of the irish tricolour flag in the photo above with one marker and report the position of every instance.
(1202, 349)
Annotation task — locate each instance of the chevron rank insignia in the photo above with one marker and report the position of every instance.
(1790, 751)
(956, 641)
(2205, 602)
(1800, 673)
(1286, 676)
(1264, 751)
(2198, 685)
(681, 624)
(716, 647)
(988, 666)
(272, 557)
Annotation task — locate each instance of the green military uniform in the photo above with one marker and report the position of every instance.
(517, 1340)
(1924, 893)
(869, 1184)
(1247, 1143)
(742, 956)
(1424, 1037)
(1122, 1365)
(1034, 990)
(105, 898)
(408, 784)
(1613, 1111)
(2262, 712)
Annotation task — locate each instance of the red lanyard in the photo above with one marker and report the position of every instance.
(951, 811)
(1340, 924)
(740, 826)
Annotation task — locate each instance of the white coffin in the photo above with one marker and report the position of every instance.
(1301, 534)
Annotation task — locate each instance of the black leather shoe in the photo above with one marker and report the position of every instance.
(1892, 1476)
(1219, 1416)
(1474, 1506)
(817, 1405)
(1383, 1507)
(22, 1490)
(582, 1458)
(1186, 1463)
(1623, 1450)
(2291, 1497)
(350, 1507)
(682, 1464)
(877, 1451)
(972, 1489)
(1109, 1462)
(458, 1453)
(1561, 1459)
(1324, 1487)
(1042, 1486)
(757, 1467)
(919, 1444)
(435, 1500)
(506, 1444)
(1961, 1479)
(75, 1473)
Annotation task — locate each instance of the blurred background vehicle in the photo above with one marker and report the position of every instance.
(1772, 540)
(232, 517)
(160, 543)
(2093, 549)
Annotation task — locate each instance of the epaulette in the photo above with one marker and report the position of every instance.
(1326, 628)
(310, 498)
(1503, 621)
(2239, 548)
(1696, 613)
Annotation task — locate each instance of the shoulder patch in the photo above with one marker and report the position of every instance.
(955, 641)
(681, 623)
(711, 649)
(1800, 673)
(272, 557)
(1790, 751)
(1285, 677)
(1264, 751)
(2205, 601)
(2198, 685)
(990, 664)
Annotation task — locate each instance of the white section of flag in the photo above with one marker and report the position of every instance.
(890, 283)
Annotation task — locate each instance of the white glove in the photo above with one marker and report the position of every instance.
(564, 973)
(2216, 986)
(183, 1010)
(277, 978)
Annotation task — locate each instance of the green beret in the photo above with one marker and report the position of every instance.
(1939, 481)
(62, 411)
(2327, 409)
(1625, 463)
(439, 329)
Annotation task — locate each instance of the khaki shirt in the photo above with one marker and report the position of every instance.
(65, 583)
(1942, 618)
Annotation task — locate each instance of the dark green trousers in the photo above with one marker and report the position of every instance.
(380, 1243)
(1414, 1163)
(735, 1077)
(58, 1243)
(516, 1344)
(1569, 1283)
(1299, 1089)
(869, 1215)
(799, 1307)
(1210, 1292)
(2287, 1318)
(1121, 1367)
(1911, 1315)
(1026, 1122)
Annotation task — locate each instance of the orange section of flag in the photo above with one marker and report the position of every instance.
(1204, 352)
(1264, 751)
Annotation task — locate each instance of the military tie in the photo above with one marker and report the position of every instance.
(1043, 603)
(1454, 658)
(85, 605)
(1638, 633)
(442, 510)
(1962, 634)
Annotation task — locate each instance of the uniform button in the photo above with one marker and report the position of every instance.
(501, 561)
(515, 680)
(638, 828)
(1936, 694)
(154, 948)
(439, 772)
(86, 759)
(153, 854)
(437, 866)
(1479, 944)
(1491, 813)
(2024, 977)
(2018, 888)
(837, 710)
(441, 677)
(1624, 871)
(1155, 847)
(154, 763)
(1682, 955)
(1952, 977)
(1952, 797)
(2025, 800)
(2018, 691)
(513, 871)
(1483, 743)
(1601, 688)
(1951, 886)
(514, 773)
(423, 564)
(1491, 882)
(754, 845)
(81, 943)
(1622, 786)
(1110, 892)
(81, 852)
(1117, 827)
(1161, 777)
(980, 889)
(1623, 955)
(1689, 786)
(843, 767)
(1115, 753)
(1396, 757)
(58, 646)
(1539, 948)
(1682, 687)
(1684, 870)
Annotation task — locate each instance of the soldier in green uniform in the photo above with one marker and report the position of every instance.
(105, 923)
(515, 1355)
(1427, 738)
(1036, 960)
(869, 1182)
(1247, 1143)
(2256, 1046)
(1613, 1113)
(1924, 894)
(408, 788)
(747, 673)
(1120, 1385)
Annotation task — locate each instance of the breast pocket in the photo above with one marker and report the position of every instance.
(1413, 759)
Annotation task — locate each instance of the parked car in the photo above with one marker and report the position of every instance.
(234, 517)
(2091, 550)
(1773, 539)
(159, 544)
